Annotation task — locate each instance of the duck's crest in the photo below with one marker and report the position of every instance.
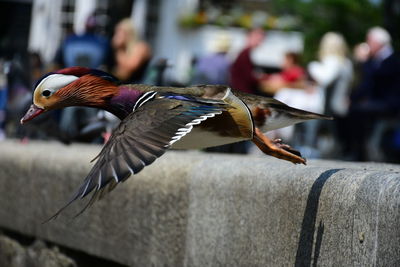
(81, 71)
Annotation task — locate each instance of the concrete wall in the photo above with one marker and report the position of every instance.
(196, 209)
(13, 254)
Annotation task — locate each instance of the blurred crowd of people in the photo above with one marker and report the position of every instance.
(361, 90)
(125, 55)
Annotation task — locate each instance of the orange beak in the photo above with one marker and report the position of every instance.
(33, 112)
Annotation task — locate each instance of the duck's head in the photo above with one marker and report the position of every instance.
(75, 86)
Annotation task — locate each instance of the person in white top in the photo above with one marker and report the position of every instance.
(333, 74)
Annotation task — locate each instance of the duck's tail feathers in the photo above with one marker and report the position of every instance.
(308, 115)
(278, 115)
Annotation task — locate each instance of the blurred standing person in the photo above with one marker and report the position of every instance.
(291, 87)
(87, 50)
(381, 58)
(242, 73)
(214, 68)
(131, 54)
(333, 74)
(243, 78)
(378, 95)
(291, 76)
(360, 56)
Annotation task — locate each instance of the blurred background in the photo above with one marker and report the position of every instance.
(336, 57)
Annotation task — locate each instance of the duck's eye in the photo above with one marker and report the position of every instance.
(46, 93)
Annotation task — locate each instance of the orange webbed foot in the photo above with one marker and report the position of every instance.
(277, 149)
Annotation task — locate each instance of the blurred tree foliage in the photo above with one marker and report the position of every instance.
(352, 18)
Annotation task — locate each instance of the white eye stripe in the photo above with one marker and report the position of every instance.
(54, 82)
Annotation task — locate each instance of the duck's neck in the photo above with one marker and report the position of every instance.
(123, 101)
(99, 93)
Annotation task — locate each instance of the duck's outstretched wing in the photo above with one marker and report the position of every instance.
(140, 139)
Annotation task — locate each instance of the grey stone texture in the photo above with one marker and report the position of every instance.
(198, 209)
(13, 254)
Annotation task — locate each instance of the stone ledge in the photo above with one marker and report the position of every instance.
(13, 254)
(197, 209)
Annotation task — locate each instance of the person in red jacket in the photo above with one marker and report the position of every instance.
(291, 76)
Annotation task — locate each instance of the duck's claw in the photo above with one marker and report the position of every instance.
(277, 149)
(280, 144)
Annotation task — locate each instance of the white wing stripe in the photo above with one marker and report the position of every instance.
(99, 182)
(86, 187)
(181, 132)
(143, 99)
(114, 173)
(129, 168)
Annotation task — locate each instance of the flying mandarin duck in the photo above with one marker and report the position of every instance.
(154, 119)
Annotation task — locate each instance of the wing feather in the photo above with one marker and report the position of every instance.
(140, 139)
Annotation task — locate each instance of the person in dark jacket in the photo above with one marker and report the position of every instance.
(378, 95)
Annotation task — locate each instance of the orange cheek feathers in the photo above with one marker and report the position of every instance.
(46, 103)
